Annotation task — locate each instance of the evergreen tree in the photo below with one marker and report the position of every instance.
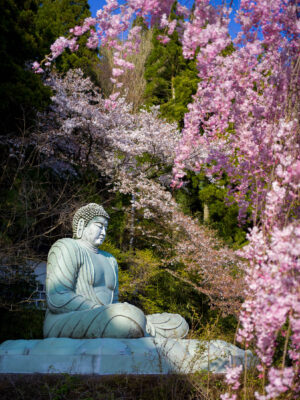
(21, 92)
(184, 85)
(27, 30)
(171, 79)
(171, 82)
(210, 203)
(55, 18)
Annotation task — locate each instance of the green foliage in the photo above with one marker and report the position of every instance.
(22, 324)
(222, 215)
(184, 86)
(118, 231)
(136, 269)
(162, 65)
(145, 282)
(166, 293)
(16, 284)
(171, 80)
(139, 21)
(27, 29)
(228, 50)
(55, 18)
(283, 346)
(21, 92)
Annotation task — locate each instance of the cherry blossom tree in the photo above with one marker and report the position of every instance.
(81, 129)
(243, 121)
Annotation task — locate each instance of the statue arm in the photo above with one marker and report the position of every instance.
(62, 271)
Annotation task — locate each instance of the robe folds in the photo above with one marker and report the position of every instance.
(80, 305)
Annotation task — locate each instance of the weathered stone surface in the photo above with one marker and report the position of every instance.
(118, 356)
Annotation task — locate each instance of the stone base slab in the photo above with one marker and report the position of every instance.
(118, 356)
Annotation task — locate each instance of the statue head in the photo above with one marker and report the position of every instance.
(90, 224)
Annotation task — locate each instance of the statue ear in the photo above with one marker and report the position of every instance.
(80, 228)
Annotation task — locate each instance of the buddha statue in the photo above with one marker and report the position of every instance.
(82, 289)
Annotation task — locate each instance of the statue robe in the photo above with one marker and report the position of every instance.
(82, 305)
(76, 308)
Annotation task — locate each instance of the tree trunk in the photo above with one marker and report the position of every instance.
(131, 241)
(205, 213)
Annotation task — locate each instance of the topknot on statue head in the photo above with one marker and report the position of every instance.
(87, 213)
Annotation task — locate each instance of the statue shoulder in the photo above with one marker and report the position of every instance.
(109, 256)
(63, 245)
(64, 254)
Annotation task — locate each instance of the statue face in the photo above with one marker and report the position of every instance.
(95, 231)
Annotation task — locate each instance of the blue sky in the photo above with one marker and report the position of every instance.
(233, 26)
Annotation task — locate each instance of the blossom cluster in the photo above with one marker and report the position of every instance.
(244, 121)
(112, 21)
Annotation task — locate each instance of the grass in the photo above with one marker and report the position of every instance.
(200, 386)
(116, 387)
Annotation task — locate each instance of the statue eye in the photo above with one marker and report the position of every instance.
(99, 225)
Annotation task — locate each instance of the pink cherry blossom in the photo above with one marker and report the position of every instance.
(58, 46)
(73, 46)
(92, 41)
(114, 96)
(233, 375)
(182, 10)
(37, 68)
(77, 30)
(117, 72)
(227, 396)
(164, 21)
(280, 382)
(172, 26)
(163, 39)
